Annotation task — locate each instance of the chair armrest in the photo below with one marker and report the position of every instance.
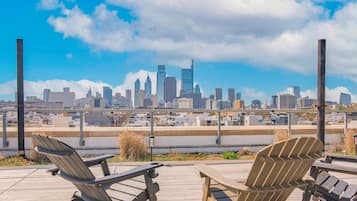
(206, 171)
(115, 178)
(335, 168)
(89, 162)
(337, 157)
(97, 160)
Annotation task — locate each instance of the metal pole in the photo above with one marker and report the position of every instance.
(289, 124)
(345, 122)
(321, 72)
(81, 140)
(152, 124)
(218, 140)
(5, 143)
(151, 137)
(20, 99)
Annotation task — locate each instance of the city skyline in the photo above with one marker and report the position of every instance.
(80, 58)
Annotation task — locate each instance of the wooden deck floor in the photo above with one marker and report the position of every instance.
(177, 182)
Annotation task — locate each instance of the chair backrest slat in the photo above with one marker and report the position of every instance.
(70, 164)
(280, 164)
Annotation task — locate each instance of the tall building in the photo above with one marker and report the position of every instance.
(140, 98)
(66, 89)
(345, 99)
(147, 87)
(256, 104)
(286, 101)
(231, 93)
(197, 98)
(67, 98)
(128, 98)
(238, 104)
(238, 96)
(170, 89)
(108, 96)
(306, 102)
(136, 92)
(187, 82)
(160, 82)
(274, 101)
(296, 90)
(89, 93)
(46, 94)
(197, 89)
(218, 93)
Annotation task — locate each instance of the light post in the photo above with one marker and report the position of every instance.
(151, 144)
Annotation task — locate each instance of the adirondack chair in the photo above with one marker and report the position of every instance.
(277, 170)
(329, 187)
(135, 184)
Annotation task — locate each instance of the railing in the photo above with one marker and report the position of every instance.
(152, 113)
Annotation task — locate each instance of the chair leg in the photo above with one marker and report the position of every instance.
(206, 189)
(307, 193)
(151, 187)
(76, 197)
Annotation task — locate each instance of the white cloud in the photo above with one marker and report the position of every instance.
(80, 87)
(69, 55)
(48, 4)
(249, 94)
(268, 34)
(332, 94)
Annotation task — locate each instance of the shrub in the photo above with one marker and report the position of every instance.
(132, 146)
(230, 155)
(349, 141)
(280, 135)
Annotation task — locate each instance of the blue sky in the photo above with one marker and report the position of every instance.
(260, 50)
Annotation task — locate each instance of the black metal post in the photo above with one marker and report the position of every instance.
(20, 98)
(321, 72)
(218, 139)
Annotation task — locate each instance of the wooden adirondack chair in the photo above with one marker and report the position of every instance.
(277, 170)
(135, 184)
(329, 187)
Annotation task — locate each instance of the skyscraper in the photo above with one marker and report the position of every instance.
(231, 94)
(147, 88)
(46, 95)
(197, 98)
(137, 85)
(238, 96)
(108, 96)
(89, 93)
(274, 101)
(345, 99)
(160, 82)
(296, 90)
(187, 82)
(170, 89)
(136, 93)
(197, 89)
(218, 93)
(128, 98)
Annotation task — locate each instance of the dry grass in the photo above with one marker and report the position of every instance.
(349, 141)
(132, 146)
(281, 135)
(337, 147)
(15, 161)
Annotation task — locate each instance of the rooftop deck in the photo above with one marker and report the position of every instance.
(178, 181)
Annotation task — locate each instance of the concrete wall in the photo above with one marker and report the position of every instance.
(188, 140)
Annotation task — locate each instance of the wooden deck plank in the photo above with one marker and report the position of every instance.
(177, 183)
